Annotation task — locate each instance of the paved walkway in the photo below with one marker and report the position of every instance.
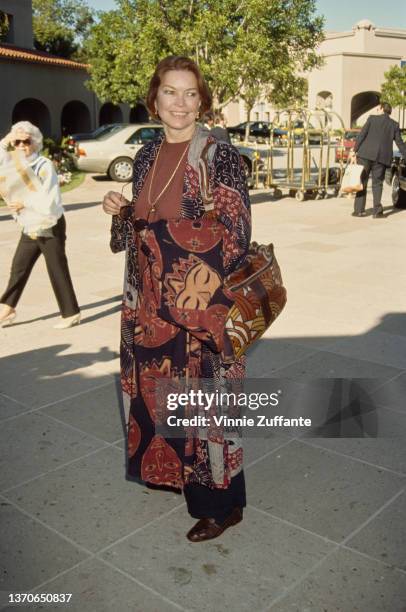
(325, 525)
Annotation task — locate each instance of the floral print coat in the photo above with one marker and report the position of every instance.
(175, 306)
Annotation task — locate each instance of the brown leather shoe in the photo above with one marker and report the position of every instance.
(207, 528)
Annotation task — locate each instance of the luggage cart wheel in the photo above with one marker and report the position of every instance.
(300, 196)
(277, 193)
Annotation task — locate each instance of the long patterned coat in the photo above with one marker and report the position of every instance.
(175, 306)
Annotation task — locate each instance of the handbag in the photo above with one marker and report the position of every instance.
(259, 297)
(352, 181)
(256, 286)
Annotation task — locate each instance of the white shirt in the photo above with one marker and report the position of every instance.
(48, 202)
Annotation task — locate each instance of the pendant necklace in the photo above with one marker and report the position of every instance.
(152, 204)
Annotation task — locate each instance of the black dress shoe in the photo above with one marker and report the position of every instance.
(207, 528)
(358, 214)
(379, 215)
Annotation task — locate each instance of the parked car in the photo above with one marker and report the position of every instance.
(259, 130)
(103, 129)
(396, 176)
(349, 139)
(113, 152)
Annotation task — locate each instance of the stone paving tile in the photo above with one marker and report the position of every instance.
(376, 346)
(393, 394)
(42, 376)
(96, 587)
(253, 562)
(9, 407)
(96, 412)
(320, 491)
(91, 502)
(384, 538)
(325, 364)
(33, 444)
(271, 354)
(347, 582)
(387, 450)
(29, 552)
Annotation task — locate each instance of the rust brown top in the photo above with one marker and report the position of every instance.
(169, 204)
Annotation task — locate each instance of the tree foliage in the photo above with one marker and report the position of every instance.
(394, 87)
(60, 26)
(244, 47)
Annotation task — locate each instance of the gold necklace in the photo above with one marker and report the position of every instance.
(152, 207)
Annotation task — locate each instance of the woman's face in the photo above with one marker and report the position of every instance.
(23, 142)
(177, 104)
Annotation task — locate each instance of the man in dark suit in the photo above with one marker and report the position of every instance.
(213, 123)
(374, 149)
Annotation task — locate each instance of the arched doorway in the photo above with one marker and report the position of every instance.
(34, 111)
(361, 103)
(75, 118)
(139, 114)
(110, 113)
(324, 99)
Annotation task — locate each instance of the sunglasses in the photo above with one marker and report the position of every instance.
(26, 142)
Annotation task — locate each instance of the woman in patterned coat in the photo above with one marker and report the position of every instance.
(188, 227)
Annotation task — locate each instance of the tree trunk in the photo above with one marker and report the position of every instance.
(247, 127)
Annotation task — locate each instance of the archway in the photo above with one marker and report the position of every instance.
(110, 113)
(35, 111)
(75, 118)
(361, 103)
(324, 99)
(139, 114)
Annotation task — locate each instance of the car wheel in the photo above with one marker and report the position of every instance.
(398, 194)
(121, 169)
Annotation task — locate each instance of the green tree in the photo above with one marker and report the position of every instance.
(244, 48)
(393, 89)
(60, 26)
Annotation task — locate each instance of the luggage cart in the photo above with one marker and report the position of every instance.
(304, 182)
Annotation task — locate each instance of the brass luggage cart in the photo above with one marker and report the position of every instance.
(313, 177)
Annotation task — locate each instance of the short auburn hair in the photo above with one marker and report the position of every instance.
(178, 62)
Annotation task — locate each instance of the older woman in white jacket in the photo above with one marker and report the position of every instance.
(43, 229)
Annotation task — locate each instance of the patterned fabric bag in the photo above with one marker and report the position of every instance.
(259, 297)
(257, 285)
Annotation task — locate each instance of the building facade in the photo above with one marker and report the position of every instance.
(350, 80)
(49, 91)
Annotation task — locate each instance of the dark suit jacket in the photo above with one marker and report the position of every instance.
(375, 141)
(220, 133)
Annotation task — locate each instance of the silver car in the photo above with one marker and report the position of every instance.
(112, 153)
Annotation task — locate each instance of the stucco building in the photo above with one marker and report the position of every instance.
(350, 80)
(353, 71)
(48, 91)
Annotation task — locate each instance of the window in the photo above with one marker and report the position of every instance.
(143, 135)
(6, 28)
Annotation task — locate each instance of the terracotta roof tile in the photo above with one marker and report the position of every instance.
(38, 57)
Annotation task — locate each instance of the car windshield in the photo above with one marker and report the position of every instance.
(112, 129)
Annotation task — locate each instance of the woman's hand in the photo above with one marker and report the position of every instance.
(113, 201)
(15, 207)
(7, 140)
